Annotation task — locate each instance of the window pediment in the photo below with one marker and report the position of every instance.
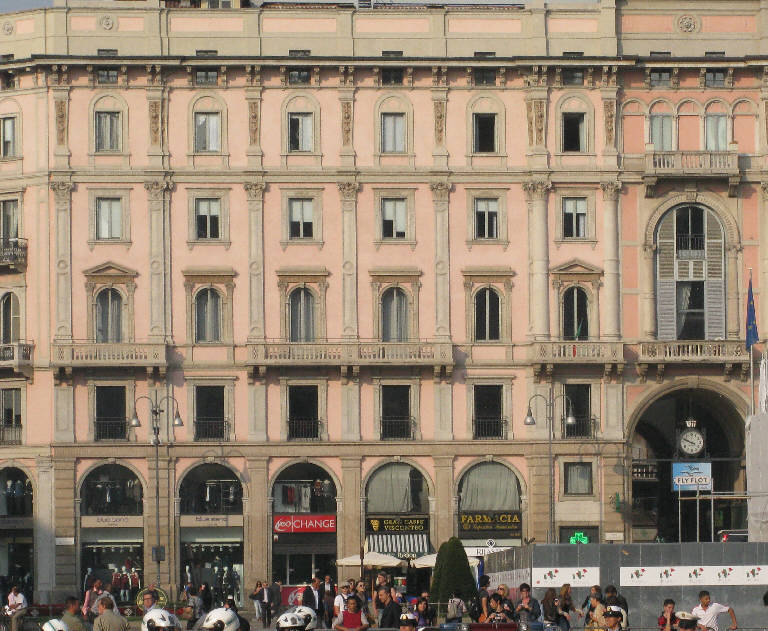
(110, 273)
(576, 270)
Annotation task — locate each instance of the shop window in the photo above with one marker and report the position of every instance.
(111, 490)
(10, 430)
(392, 76)
(397, 488)
(489, 486)
(484, 76)
(107, 131)
(208, 316)
(487, 315)
(394, 315)
(575, 314)
(16, 490)
(299, 76)
(207, 132)
(110, 420)
(488, 419)
(109, 316)
(8, 137)
(484, 127)
(10, 319)
(396, 420)
(574, 132)
(211, 489)
(303, 416)
(574, 217)
(578, 478)
(210, 420)
(578, 403)
(304, 488)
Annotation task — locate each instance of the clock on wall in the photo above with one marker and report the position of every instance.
(690, 439)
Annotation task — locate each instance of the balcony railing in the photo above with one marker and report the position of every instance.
(645, 471)
(485, 428)
(211, 429)
(10, 434)
(110, 428)
(703, 163)
(108, 354)
(577, 352)
(16, 354)
(584, 427)
(304, 429)
(693, 351)
(397, 428)
(690, 246)
(342, 352)
(13, 253)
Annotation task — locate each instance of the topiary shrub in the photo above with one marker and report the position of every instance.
(452, 575)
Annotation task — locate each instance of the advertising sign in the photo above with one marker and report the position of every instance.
(396, 524)
(691, 476)
(556, 576)
(689, 575)
(508, 523)
(303, 523)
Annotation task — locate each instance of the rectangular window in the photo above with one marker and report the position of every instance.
(8, 137)
(715, 78)
(208, 218)
(484, 133)
(10, 399)
(573, 77)
(109, 218)
(486, 218)
(660, 78)
(299, 76)
(210, 422)
(661, 132)
(574, 135)
(300, 132)
(484, 76)
(392, 133)
(392, 76)
(109, 422)
(106, 76)
(303, 421)
(717, 132)
(393, 219)
(574, 217)
(578, 478)
(689, 232)
(300, 219)
(9, 220)
(107, 131)
(488, 421)
(577, 404)
(206, 77)
(395, 412)
(207, 131)
(689, 301)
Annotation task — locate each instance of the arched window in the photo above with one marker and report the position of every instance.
(487, 315)
(10, 319)
(302, 305)
(575, 318)
(311, 485)
(109, 311)
(111, 489)
(397, 488)
(211, 488)
(208, 316)
(394, 315)
(489, 486)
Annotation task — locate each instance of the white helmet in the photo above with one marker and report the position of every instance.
(221, 619)
(309, 616)
(159, 619)
(290, 620)
(55, 625)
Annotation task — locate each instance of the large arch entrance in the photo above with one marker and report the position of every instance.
(16, 530)
(688, 426)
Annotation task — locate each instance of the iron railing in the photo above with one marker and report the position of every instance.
(645, 471)
(584, 427)
(13, 252)
(690, 246)
(304, 429)
(489, 427)
(10, 434)
(396, 428)
(110, 428)
(211, 429)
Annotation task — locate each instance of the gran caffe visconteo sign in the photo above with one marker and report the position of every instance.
(507, 523)
(393, 524)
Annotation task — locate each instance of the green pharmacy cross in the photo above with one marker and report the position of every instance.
(579, 537)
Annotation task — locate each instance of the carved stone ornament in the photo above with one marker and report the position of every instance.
(253, 122)
(8, 28)
(764, 190)
(155, 121)
(254, 190)
(439, 122)
(539, 117)
(61, 191)
(529, 111)
(688, 24)
(346, 123)
(348, 190)
(609, 114)
(156, 188)
(61, 121)
(536, 189)
(107, 22)
(440, 190)
(611, 190)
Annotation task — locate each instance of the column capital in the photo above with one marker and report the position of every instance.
(254, 190)
(157, 188)
(348, 190)
(536, 189)
(61, 190)
(611, 190)
(440, 190)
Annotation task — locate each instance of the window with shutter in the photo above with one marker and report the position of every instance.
(714, 286)
(665, 278)
(10, 319)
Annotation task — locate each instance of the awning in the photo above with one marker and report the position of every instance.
(430, 560)
(402, 546)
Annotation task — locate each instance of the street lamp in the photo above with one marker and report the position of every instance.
(158, 552)
(570, 420)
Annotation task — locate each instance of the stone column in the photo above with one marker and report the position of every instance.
(732, 311)
(348, 194)
(440, 194)
(536, 192)
(444, 515)
(160, 327)
(165, 512)
(62, 193)
(649, 291)
(65, 567)
(257, 531)
(349, 528)
(611, 325)
(45, 543)
(254, 192)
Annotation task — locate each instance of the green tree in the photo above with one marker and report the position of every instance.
(452, 574)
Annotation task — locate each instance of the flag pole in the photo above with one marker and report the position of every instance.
(751, 364)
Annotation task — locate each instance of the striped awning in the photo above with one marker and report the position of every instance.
(402, 546)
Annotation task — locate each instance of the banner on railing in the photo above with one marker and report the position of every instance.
(556, 576)
(686, 575)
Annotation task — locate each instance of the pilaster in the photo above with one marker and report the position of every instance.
(61, 152)
(611, 324)
(763, 278)
(65, 567)
(349, 526)
(440, 195)
(536, 192)
(732, 311)
(64, 413)
(253, 100)
(157, 110)
(443, 413)
(257, 412)
(159, 474)
(444, 516)
(158, 202)
(440, 109)
(346, 94)
(62, 194)
(348, 194)
(538, 497)
(257, 527)
(350, 408)
(254, 192)
(536, 100)
(610, 156)
(45, 542)
(649, 295)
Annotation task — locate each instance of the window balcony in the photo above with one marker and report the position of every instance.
(13, 254)
(118, 354)
(719, 351)
(211, 429)
(687, 164)
(397, 428)
(489, 428)
(577, 352)
(584, 427)
(10, 434)
(16, 355)
(110, 428)
(304, 429)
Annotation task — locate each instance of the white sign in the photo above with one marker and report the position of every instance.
(691, 476)
(556, 576)
(65, 541)
(686, 575)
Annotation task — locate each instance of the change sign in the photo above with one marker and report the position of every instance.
(509, 523)
(691, 476)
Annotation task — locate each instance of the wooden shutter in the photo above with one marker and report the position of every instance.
(666, 328)
(714, 286)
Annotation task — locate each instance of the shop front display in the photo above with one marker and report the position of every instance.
(16, 531)
(113, 552)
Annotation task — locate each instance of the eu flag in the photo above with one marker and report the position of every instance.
(752, 336)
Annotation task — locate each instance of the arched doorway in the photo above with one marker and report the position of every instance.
(16, 530)
(211, 530)
(112, 530)
(666, 433)
(303, 523)
(489, 507)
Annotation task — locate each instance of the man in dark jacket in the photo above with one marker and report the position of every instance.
(390, 616)
(313, 598)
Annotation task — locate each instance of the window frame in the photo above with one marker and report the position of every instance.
(575, 286)
(124, 195)
(393, 103)
(486, 102)
(191, 383)
(660, 82)
(500, 195)
(207, 102)
(498, 278)
(409, 196)
(130, 396)
(114, 277)
(565, 466)
(484, 71)
(205, 82)
(220, 279)
(563, 193)
(15, 151)
(667, 116)
(407, 279)
(403, 141)
(507, 409)
(487, 287)
(207, 150)
(575, 102)
(315, 280)
(414, 384)
(98, 114)
(309, 146)
(209, 338)
(711, 79)
(316, 195)
(322, 404)
(124, 312)
(11, 295)
(300, 102)
(476, 117)
(222, 195)
(577, 211)
(19, 214)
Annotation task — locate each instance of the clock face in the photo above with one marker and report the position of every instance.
(691, 441)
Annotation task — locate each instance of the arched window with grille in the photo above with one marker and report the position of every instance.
(575, 314)
(302, 315)
(208, 315)
(487, 315)
(109, 316)
(10, 318)
(394, 315)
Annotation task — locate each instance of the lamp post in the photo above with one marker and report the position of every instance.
(155, 410)
(570, 420)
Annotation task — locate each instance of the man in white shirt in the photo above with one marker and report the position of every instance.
(340, 602)
(707, 612)
(17, 607)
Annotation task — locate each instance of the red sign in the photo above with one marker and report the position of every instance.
(303, 523)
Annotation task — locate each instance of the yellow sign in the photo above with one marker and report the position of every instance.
(162, 597)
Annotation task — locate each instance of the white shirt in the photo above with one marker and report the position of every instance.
(708, 617)
(340, 602)
(18, 599)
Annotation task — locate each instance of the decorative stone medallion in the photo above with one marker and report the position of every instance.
(688, 24)
(107, 22)
(8, 28)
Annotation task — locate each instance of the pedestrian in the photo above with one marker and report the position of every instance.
(668, 620)
(527, 608)
(277, 595)
(430, 607)
(456, 609)
(149, 600)
(586, 606)
(503, 591)
(232, 606)
(480, 609)
(381, 581)
(707, 612)
(407, 622)
(104, 593)
(91, 596)
(687, 621)
(262, 598)
(351, 618)
(595, 619)
(256, 602)
(362, 596)
(108, 618)
(499, 614)
(312, 598)
(613, 616)
(329, 592)
(389, 609)
(550, 608)
(610, 591)
(71, 616)
(423, 614)
(206, 596)
(193, 610)
(340, 602)
(17, 607)
(566, 608)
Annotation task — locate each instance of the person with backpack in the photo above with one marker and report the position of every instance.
(480, 608)
(456, 609)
